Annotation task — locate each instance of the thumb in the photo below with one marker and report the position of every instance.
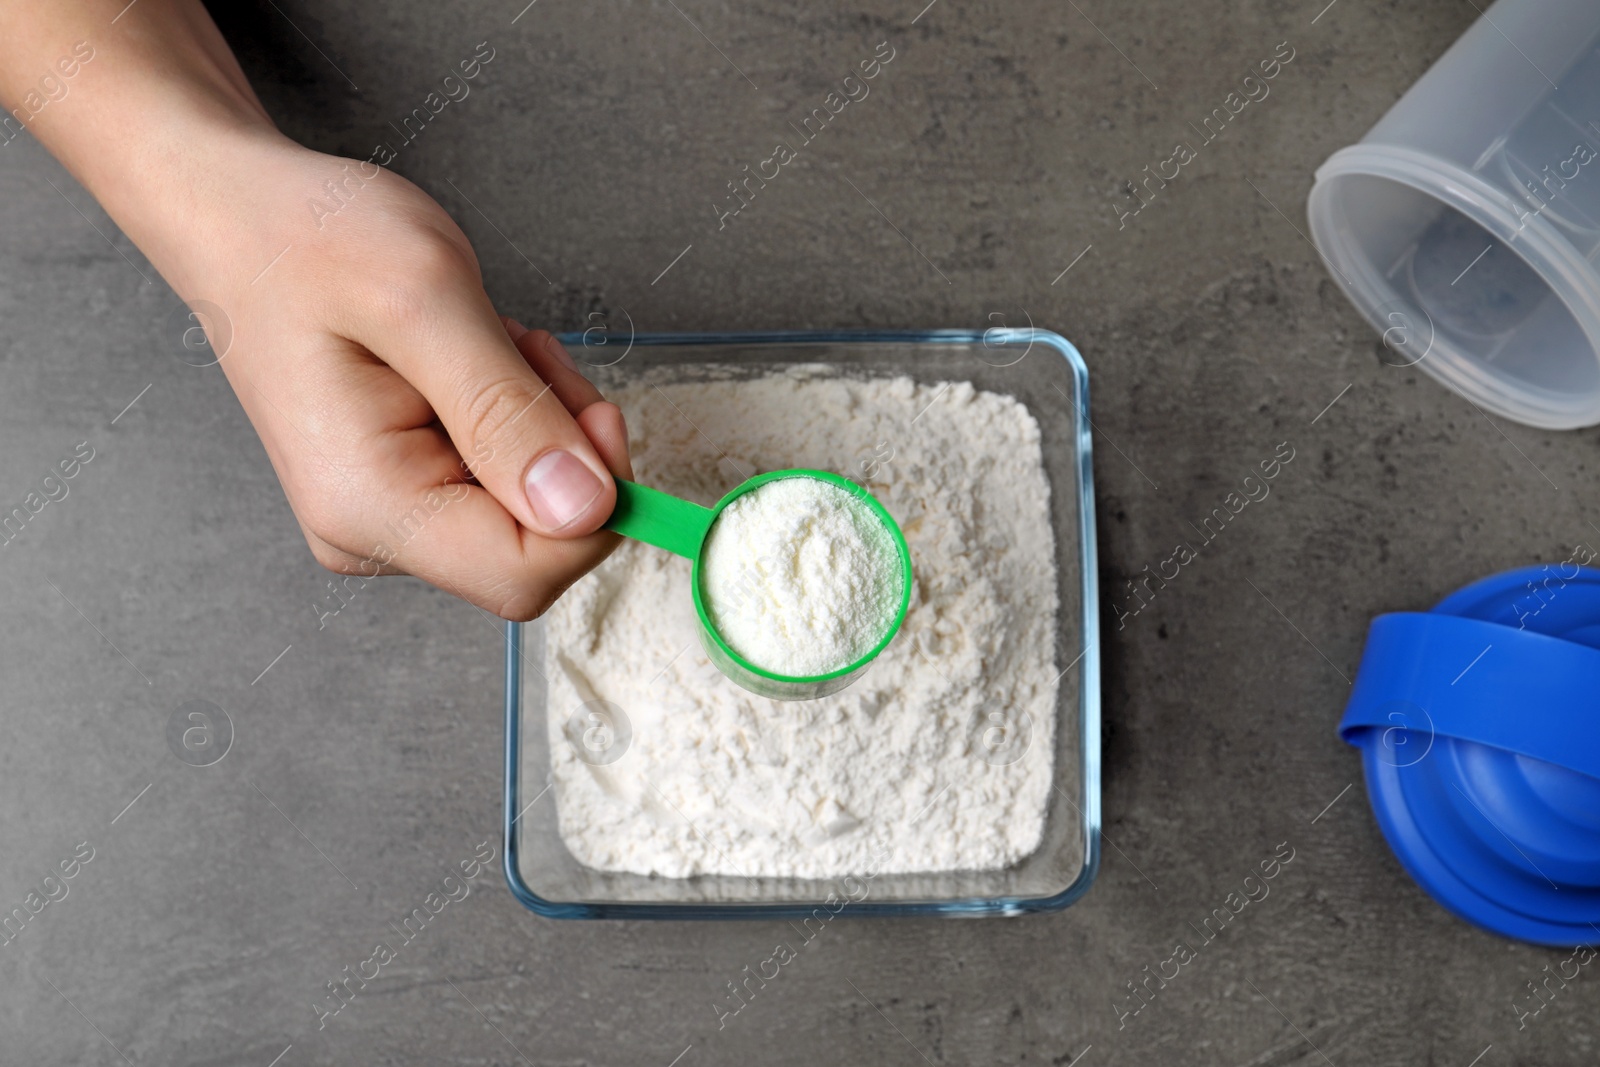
(512, 430)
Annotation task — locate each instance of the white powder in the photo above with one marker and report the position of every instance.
(799, 577)
(940, 757)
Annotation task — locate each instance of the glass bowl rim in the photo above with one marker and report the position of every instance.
(1088, 690)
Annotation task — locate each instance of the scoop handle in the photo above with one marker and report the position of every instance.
(659, 519)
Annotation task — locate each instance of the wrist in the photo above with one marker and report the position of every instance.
(162, 128)
(191, 194)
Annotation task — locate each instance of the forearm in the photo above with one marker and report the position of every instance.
(139, 102)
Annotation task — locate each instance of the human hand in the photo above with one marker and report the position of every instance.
(412, 429)
(410, 432)
(372, 364)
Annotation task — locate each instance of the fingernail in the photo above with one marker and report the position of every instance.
(560, 488)
(515, 328)
(556, 349)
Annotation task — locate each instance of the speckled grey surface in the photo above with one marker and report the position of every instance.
(599, 139)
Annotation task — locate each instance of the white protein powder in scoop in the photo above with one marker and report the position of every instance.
(800, 577)
(660, 765)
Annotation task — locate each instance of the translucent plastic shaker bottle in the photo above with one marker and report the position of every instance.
(1466, 225)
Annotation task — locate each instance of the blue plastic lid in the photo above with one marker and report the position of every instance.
(1479, 725)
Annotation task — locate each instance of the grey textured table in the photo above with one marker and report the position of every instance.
(595, 148)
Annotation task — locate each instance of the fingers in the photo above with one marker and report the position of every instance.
(417, 517)
(550, 361)
(457, 536)
(601, 422)
(510, 424)
(420, 518)
(341, 562)
(473, 548)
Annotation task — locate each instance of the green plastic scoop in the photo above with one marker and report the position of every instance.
(681, 527)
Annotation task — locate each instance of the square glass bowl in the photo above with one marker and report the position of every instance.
(1041, 370)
